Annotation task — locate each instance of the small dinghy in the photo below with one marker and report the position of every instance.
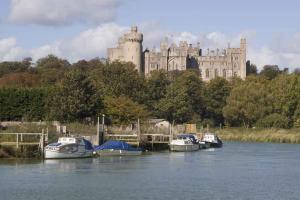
(69, 147)
(117, 148)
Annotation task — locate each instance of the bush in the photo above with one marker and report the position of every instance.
(274, 120)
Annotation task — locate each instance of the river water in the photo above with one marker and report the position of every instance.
(236, 171)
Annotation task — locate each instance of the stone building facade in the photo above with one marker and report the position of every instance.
(211, 63)
(129, 49)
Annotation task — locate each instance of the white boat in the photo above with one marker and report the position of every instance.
(212, 140)
(203, 145)
(184, 142)
(117, 148)
(69, 147)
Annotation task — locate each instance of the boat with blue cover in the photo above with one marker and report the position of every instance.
(117, 148)
(69, 147)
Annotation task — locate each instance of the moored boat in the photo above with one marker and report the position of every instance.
(69, 147)
(212, 140)
(117, 148)
(184, 142)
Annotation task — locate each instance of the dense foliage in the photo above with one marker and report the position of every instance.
(54, 89)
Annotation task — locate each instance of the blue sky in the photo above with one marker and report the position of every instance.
(81, 29)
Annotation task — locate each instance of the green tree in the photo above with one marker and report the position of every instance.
(51, 69)
(75, 99)
(123, 110)
(22, 103)
(248, 102)
(156, 89)
(250, 68)
(184, 100)
(120, 79)
(273, 120)
(216, 93)
(13, 67)
(270, 71)
(286, 94)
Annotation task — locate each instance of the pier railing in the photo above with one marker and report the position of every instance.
(24, 139)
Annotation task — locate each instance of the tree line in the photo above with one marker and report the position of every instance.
(54, 89)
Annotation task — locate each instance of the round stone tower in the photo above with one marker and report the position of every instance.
(133, 48)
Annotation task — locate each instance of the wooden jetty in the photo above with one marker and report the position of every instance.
(22, 139)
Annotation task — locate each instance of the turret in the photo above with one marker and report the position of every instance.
(132, 49)
(243, 51)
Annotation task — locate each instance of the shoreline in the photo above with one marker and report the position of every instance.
(272, 135)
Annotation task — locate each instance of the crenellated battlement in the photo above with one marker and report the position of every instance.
(211, 63)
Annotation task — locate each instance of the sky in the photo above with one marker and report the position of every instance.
(84, 29)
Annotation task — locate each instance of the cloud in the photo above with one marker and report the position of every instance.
(283, 51)
(9, 51)
(62, 12)
(88, 44)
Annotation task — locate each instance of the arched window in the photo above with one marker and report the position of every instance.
(224, 73)
(207, 73)
(216, 73)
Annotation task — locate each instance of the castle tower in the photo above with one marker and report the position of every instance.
(132, 49)
(243, 51)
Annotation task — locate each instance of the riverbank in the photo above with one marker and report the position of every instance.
(260, 135)
(226, 134)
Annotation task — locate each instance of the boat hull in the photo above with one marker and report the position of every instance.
(184, 148)
(204, 145)
(112, 152)
(59, 155)
(214, 145)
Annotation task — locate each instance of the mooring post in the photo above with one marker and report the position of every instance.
(42, 144)
(103, 123)
(17, 141)
(152, 142)
(138, 133)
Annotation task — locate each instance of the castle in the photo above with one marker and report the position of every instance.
(213, 63)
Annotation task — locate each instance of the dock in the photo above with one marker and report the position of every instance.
(18, 140)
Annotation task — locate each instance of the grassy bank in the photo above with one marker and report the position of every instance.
(260, 135)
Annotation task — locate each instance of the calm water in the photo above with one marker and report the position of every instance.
(237, 171)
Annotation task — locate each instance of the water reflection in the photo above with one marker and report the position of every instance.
(64, 165)
(16, 162)
(237, 171)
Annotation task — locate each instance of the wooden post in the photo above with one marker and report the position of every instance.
(152, 142)
(103, 123)
(47, 135)
(98, 130)
(42, 144)
(17, 141)
(138, 133)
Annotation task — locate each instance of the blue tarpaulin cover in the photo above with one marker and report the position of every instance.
(116, 145)
(88, 145)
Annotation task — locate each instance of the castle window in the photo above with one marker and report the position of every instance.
(207, 73)
(224, 73)
(216, 72)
